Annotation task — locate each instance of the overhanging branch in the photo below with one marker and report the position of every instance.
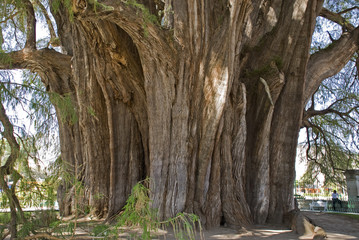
(337, 18)
(329, 61)
(36, 60)
(348, 10)
(343, 115)
(30, 26)
(324, 142)
(329, 110)
(53, 36)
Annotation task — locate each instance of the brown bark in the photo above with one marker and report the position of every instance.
(208, 105)
(329, 61)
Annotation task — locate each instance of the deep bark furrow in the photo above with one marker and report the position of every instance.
(207, 102)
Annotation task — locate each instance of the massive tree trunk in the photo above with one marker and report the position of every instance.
(208, 104)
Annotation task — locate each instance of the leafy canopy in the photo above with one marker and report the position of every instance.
(332, 130)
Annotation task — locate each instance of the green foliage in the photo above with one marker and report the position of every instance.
(332, 136)
(4, 58)
(37, 220)
(4, 218)
(101, 230)
(91, 111)
(28, 96)
(146, 15)
(96, 5)
(56, 4)
(137, 211)
(65, 106)
(352, 216)
(12, 24)
(28, 99)
(138, 220)
(272, 67)
(326, 30)
(141, 221)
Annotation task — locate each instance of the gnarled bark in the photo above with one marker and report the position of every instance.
(208, 105)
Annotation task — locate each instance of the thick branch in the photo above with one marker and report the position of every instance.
(48, 21)
(348, 10)
(13, 60)
(329, 61)
(337, 18)
(31, 26)
(38, 61)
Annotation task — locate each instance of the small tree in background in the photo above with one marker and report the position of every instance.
(20, 146)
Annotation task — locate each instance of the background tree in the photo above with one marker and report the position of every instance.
(331, 116)
(20, 148)
(204, 97)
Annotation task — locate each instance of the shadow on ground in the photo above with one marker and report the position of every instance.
(336, 226)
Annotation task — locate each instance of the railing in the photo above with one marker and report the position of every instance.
(351, 205)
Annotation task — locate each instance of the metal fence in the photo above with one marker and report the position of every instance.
(350, 205)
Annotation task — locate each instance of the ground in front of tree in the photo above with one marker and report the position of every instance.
(336, 227)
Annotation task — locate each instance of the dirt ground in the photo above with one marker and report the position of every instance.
(336, 226)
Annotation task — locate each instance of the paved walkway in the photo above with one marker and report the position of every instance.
(337, 227)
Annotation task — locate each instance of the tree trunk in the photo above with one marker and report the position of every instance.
(210, 114)
(207, 102)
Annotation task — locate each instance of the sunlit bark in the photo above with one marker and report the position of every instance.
(208, 105)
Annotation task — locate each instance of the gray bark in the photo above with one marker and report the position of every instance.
(208, 105)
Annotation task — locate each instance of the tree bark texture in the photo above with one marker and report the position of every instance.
(207, 102)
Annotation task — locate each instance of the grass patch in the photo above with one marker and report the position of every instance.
(353, 216)
(4, 217)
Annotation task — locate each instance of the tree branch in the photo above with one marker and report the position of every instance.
(9, 135)
(31, 26)
(44, 59)
(8, 167)
(10, 16)
(337, 18)
(343, 115)
(329, 61)
(348, 10)
(327, 146)
(53, 36)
